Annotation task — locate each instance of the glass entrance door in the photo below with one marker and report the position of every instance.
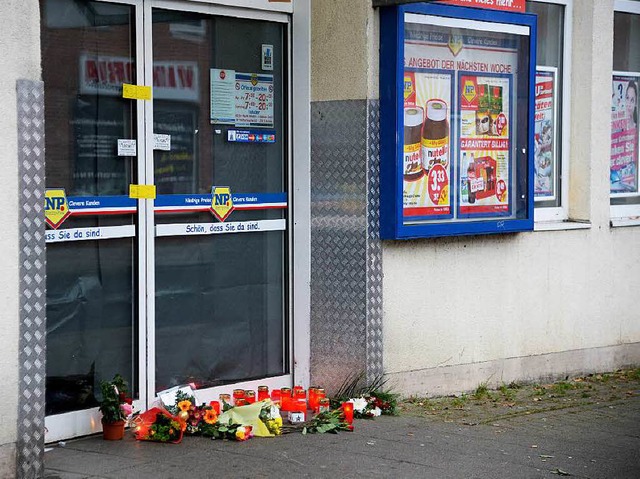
(221, 249)
(191, 287)
(89, 50)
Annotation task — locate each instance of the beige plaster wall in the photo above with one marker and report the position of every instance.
(19, 58)
(476, 300)
(341, 35)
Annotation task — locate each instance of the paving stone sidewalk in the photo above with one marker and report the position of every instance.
(591, 440)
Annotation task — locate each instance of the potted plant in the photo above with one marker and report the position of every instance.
(115, 407)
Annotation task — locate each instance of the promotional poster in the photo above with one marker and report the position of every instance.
(624, 135)
(545, 135)
(457, 123)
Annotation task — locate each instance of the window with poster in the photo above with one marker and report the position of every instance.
(551, 142)
(456, 121)
(625, 154)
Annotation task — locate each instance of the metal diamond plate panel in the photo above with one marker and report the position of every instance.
(30, 444)
(374, 248)
(342, 241)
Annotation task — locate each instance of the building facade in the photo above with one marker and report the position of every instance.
(194, 197)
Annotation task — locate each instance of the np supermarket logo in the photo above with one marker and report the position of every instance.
(56, 207)
(221, 202)
(469, 91)
(455, 44)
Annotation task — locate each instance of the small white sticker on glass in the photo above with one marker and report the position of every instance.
(161, 142)
(127, 148)
(267, 57)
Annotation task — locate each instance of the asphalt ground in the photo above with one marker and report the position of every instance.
(538, 431)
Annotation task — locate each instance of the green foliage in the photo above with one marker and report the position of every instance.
(459, 402)
(220, 431)
(481, 392)
(330, 421)
(356, 386)
(508, 393)
(562, 387)
(164, 429)
(113, 394)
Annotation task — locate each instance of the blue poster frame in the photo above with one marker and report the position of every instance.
(392, 224)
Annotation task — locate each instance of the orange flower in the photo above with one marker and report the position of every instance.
(184, 405)
(210, 416)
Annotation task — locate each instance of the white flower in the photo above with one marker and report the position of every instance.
(359, 404)
(376, 411)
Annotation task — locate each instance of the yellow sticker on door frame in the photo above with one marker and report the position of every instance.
(142, 192)
(136, 92)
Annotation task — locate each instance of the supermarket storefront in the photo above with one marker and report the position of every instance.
(169, 167)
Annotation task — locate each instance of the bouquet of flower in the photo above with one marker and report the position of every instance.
(197, 419)
(270, 416)
(373, 405)
(230, 431)
(157, 424)
(327, 422)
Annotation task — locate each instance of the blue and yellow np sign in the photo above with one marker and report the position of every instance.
(221, 202)
(56, 208)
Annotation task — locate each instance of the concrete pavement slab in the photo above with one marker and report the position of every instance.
(589, 441)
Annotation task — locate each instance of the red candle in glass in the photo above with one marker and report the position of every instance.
(263, 393)
(250, 396)
(313, 398)
(285, 399)
(216, 406)
(301, 406)
(347, 409)
(276, 396)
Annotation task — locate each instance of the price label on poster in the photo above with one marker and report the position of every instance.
(624, 136)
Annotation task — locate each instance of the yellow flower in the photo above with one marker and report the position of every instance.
(184, 405)
(210, 416)
(240, 435)
(279, 421)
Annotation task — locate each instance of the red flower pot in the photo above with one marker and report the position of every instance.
(113, 431)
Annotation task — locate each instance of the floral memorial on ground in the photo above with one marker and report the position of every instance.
(243, 414)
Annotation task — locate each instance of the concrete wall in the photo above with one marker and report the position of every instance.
(463, 311)
(342, 66)
(19, 58)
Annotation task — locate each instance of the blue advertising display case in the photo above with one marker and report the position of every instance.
(456, 120)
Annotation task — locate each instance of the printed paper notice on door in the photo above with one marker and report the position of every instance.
(426, 167)
(485, 125)
(223, 96)
(241, 99)
(254, 99)
(624, 136)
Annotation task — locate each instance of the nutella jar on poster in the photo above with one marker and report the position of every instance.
(412, 136)
(435, 135)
